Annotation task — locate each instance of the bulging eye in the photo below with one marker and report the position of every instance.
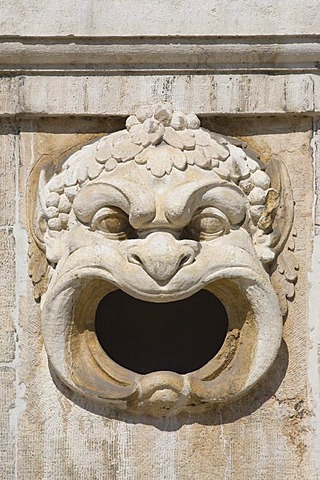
(112, 221)
(209, 223)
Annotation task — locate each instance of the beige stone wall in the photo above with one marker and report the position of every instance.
(47, 433)
(71, 72)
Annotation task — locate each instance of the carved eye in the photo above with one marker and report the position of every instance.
(209, 223)
(112, 221)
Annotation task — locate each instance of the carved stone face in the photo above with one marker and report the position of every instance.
(160, 211)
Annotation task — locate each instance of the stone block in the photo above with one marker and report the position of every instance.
(7, 423)
(7, 296)
(8, 173)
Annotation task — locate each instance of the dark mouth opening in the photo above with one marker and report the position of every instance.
(146, 337)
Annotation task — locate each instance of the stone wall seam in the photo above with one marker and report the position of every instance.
(314, 317)
(21, 242)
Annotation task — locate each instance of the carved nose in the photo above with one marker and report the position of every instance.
(161, 255)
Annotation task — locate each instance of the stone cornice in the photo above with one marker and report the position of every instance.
(165, 55)
(104, 95)
(95, 76)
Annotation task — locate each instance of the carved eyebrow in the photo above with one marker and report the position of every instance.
(186, 199)
(229, 199)
(136, 201)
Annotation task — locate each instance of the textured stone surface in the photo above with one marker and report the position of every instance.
(8, 174)
(267, 432)
(292, 148)
(176, 54)
(7, 423)
(7, 296)
(203, 94)
(179, 17)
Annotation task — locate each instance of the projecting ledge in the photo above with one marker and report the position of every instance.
(256, 94)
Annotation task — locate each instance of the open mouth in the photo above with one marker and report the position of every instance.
(146, 337)
(208, 347)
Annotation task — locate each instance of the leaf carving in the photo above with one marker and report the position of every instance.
(284, 269)
(38, 270)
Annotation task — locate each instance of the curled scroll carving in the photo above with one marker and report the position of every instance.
(162, 210)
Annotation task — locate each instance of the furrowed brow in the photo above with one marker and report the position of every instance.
(185, 200)
(136, 201)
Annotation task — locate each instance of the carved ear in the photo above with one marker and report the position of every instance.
(38, 266)
(283, 209)
(40, 175)
(283, 269)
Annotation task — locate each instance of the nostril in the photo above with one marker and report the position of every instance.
(186, 259)
(135, 259)
(161, 256)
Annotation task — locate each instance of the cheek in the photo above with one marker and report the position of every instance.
(56, 248)
(239, 239)
(80, 237)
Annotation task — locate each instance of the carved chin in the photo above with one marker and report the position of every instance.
(250, 347)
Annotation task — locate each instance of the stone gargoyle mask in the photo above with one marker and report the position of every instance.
(161, 210)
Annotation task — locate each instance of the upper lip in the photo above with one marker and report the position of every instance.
(105, 262)
(162, 292)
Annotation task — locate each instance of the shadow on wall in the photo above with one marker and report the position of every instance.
(232, 125)
(221, 413)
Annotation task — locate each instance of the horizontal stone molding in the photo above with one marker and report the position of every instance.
(223, 94)
(166, 54)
